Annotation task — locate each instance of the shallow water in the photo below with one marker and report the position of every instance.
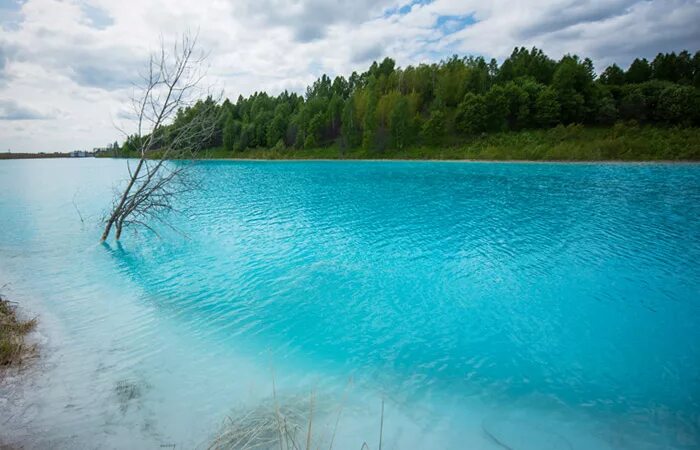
(535, 305)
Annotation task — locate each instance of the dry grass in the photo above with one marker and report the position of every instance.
(13, 348)
(279, 424)
(269, 426)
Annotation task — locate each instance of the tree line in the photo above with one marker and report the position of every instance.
(448, 102)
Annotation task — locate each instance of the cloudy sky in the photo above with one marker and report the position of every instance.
(66, 66)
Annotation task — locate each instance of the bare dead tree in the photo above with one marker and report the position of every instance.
(170, 88)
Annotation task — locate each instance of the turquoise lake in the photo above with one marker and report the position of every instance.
(486, 305)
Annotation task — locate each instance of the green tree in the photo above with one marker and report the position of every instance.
(244, 140)
(678, 105)
(335, 114)
(524, 63)
(639, 71)
(401, 123)
(277, 127)
(518, 102)
(632, 105)
(433, 131)
(369, 124)
(229, 132)
(606, 110)
(314, 131)
(547, 108)
(673, 68)
(351, 132)
(460, 96)
(613, 75)
(450, 81)
(471, 114)
(496, 108)
(573, 82)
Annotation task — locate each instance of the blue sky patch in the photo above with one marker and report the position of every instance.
(97, 17)
(402, 10)
(451, 24)
(10, 14)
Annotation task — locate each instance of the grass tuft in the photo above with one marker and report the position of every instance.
(13, 348)
(285, 423)
(268, 426)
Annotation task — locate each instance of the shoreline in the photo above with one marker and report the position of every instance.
(626, 143)
(486, 161)
(422, 160)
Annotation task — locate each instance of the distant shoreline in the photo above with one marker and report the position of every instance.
(39, 155)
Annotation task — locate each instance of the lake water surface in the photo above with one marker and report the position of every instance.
(486, 305)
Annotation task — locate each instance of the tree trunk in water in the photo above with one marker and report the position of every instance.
(116, 212)
(119, 231)
(108, 228)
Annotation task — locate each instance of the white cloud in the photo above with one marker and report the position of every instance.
(11, 110)
(71, 62)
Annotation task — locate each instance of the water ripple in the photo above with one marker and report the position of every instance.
(567, 286)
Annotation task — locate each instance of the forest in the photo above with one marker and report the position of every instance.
(451, 103)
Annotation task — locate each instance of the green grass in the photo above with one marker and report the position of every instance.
(570, 143)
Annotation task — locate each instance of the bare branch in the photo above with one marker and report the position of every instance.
(174, 123)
